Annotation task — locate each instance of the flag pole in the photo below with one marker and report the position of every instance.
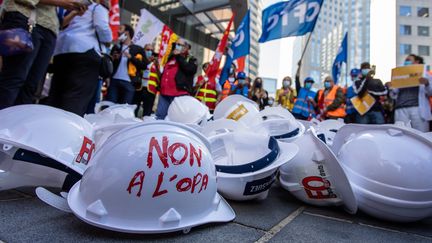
(347, 61)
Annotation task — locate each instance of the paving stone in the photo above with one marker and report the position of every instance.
(267, 213)
(308, 228)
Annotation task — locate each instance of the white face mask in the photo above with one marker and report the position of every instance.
(231, 80)
(286, 84)
(122, 37)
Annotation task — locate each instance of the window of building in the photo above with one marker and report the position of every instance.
(405, 11)
(405, 29)
(423, 31)
(405, 49)
(423, 50)
(423, 12)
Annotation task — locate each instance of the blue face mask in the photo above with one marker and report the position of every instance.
(327, 85)
(148, 54)
(308, 85)
(242, 81)
(407, 63)
(179, 48)
(365, 72)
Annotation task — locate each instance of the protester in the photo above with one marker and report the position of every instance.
(411, 104)
(145, 92)
(207, 89)
(351, 112)
(226, 85)
(177, 77)
(303, 107)
(368, 86)
(240, 86)
(77, 60)
(129, 63)
(258, 93)
(286, 95)
(330, 101)
(22, 74)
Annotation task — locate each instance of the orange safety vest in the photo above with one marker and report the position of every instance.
(207, 93)
(226, 89)
(328, 100)
(152, 79)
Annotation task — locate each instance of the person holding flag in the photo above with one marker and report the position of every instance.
(350, 110)
(228, 83)
(177, 77)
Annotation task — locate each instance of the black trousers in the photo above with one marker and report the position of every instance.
(75, 81)
(147, 100)
(22, 74)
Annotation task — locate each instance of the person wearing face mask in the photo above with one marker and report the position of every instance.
(145, 92)
(77, 58)
(303, 107)
(411, 104)
(368, 86)
(286, 95)
(207, 89)
(330, 101)
(226, 85)
(177, 77)
(240, 87)
(351, 112)
(129, 63)
(259, 94)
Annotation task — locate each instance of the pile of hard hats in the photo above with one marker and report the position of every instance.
(155, 168)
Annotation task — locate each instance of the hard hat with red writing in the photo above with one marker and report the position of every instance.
(315, 176)
(188, 110)
(247, 163)
(390, 170)
(59, 135)
(238, 108)
(327, 129)
(279, 123)
(153, 177)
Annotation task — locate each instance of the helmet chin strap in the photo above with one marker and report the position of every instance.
(255, 165)
(35, 158)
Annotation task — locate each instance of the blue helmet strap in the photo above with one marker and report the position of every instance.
(288, 135)
(255, 165)
(35, 158)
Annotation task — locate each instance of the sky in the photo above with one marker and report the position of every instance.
(276, 56)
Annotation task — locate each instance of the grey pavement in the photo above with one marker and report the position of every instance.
(279, 218)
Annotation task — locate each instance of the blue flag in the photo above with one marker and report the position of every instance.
(239, 47)
(341, 57)
(292, 18)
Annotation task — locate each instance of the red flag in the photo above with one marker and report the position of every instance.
(114, 18)
(241, 64)
(168, 37)
(213, 68)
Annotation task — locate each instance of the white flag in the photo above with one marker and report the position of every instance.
(147, 29)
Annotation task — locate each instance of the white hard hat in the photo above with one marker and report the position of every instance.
(279, 123)
(151, 178)
(247, 163)
(113, 115)
(315, 176)
(216, 127)
(51, 132)
(102, 133)
(100, 106)
(390, 170)
(327, 129)
(188, 110)
(237, 108)
(17, 171)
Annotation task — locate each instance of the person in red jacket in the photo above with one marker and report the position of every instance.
(177, 77)
(206, 90)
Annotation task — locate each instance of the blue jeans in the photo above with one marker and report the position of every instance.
(163, 104)
(371, 117)
(22, 74)
(120, 92)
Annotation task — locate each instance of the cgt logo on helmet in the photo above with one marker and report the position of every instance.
(190, 155)
(317, 187)
(86, 151)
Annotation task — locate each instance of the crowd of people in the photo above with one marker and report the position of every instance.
(73, 41)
